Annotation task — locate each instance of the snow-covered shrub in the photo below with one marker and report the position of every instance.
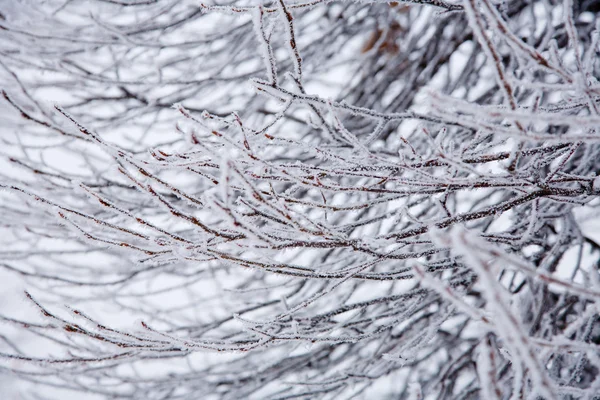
(300, 199)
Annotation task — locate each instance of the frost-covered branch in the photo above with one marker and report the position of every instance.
(300, 199)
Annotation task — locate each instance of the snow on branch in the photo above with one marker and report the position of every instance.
(300, 199)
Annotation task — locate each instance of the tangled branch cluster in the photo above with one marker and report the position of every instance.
(302, 199)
